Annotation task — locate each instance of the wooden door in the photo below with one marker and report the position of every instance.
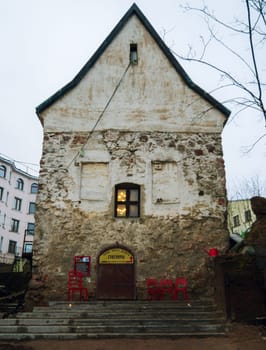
(116, 274)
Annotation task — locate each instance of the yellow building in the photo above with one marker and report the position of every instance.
(240, 217)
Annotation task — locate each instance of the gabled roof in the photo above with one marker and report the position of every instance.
(134, 10)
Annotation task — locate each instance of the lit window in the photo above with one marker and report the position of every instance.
(17, 203)
(14, 225)
(2, 171)
(127, 200)
(34, 188)
(32, 208)
(20, 184)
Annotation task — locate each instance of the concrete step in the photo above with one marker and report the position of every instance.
(132, 305)
(129, 307)
(88, 322)
(112, 335)
(122, 327)
(114, 319)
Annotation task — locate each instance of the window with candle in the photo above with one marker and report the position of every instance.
(127, 200)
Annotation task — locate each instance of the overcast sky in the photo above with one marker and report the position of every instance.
(44, 44)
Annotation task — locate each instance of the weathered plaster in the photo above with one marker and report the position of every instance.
(150, 94)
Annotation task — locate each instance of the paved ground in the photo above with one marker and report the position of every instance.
(241, 337)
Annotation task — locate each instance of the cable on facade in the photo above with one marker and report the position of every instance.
(25, 164)
(100, 116)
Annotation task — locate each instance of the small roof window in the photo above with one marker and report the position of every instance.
(133, 56)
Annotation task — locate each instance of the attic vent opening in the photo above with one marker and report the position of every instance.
(133, 56)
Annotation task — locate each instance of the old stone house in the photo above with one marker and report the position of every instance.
(132, 172)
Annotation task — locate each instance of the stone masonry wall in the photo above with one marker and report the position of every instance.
(167, 240)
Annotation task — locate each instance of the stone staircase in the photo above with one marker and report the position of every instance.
(115, 319)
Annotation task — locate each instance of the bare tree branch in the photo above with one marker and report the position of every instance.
(222, 43)
(235, 82)
(247, 188)
(253, 31)
(205, 11)
(248, 149)
(254, 61)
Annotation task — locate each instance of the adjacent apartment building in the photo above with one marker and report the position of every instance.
(18, 191)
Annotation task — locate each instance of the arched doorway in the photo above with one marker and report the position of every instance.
(116, 274)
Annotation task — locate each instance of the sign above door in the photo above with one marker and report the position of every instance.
(116, 256)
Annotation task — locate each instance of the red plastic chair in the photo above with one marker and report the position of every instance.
(75, 285)
(180, 287)
(166, 287)
(152, 289)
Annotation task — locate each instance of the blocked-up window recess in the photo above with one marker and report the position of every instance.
(133, 56)
(167, 182)
(94, 181)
